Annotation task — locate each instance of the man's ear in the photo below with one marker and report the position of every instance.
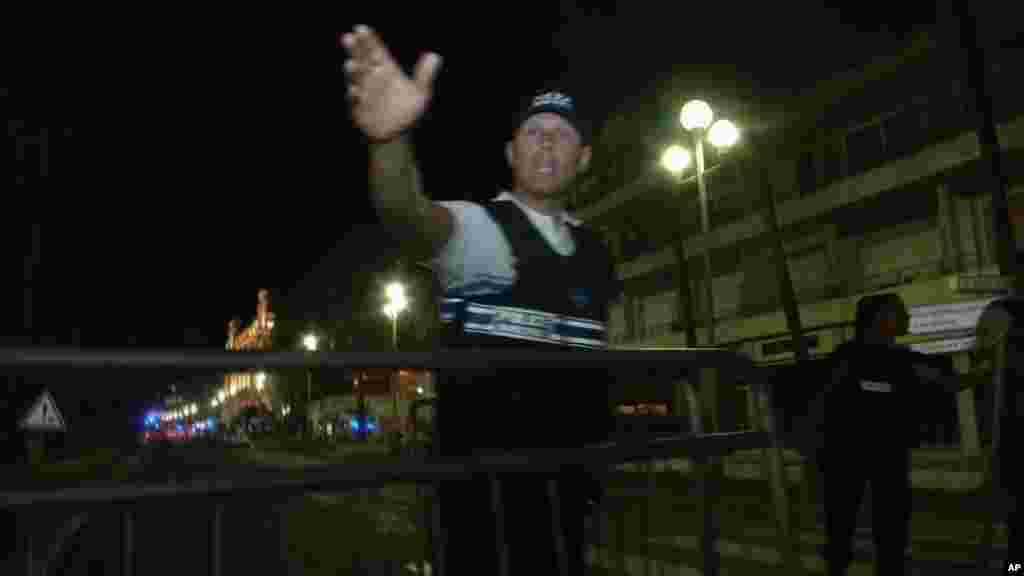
(510, 154)
(583, 163)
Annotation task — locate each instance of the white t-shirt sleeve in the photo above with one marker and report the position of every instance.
(476, 251)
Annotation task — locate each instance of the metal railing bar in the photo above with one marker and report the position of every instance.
(26, 541)
(673, 361)
(127, 542)
(648, 470)
(439, 536)
(708, 497)
(991, 470)
(407, 469)
(556, 527)
(423, 521)
(497, 507)
(217, 540)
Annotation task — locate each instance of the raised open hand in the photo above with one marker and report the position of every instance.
(385, 101)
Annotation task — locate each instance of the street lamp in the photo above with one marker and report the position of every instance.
(696, 118)
(396, 304)
(311, 343)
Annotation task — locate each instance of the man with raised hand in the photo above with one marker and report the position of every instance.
(517, 272)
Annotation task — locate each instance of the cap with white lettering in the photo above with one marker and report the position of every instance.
(560, 103)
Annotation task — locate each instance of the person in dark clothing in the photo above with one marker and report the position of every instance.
(1001, 324)
(517, 272)
(870, 424)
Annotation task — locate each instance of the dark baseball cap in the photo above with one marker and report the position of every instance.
(559, 103)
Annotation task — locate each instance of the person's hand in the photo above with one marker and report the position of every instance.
(385, 101)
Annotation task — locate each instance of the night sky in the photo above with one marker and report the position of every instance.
(194, 160)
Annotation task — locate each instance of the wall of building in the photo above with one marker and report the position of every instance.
(917, 231)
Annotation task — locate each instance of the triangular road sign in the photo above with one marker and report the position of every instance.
(43, 415)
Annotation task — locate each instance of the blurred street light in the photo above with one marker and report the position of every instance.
(310, 342)
(696, 115)
(675, 159)
(396, 304)
(723, 134)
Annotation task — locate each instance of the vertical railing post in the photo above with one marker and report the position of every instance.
(991, 468)
(439, 534)
(422, 491)
(280, 511)
(440, 568)
(423, 494)
(706, 488)
(778, 478)
(620, 537)
(556, 527)
(498, 509)
(217, 541)
(707, 492)
(26, 541)
(127, 542)
(651, 495)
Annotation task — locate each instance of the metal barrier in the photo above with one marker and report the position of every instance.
(669, 365)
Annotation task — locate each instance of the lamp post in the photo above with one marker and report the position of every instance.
(696, 118)
(396, 304)
(311, 343)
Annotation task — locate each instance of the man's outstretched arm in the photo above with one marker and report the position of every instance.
(397, 193)
(386, 104)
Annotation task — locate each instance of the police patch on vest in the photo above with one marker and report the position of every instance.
(580, 297)
(534, 325)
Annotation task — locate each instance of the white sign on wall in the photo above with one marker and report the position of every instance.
(947, 317)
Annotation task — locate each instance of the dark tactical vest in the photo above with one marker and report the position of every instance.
(881, 402)
(556, 302)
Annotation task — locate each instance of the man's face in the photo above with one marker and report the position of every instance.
(546, 155)
(895, 321)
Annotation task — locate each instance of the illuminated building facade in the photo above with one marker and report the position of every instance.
(243, 390)
(256, 336)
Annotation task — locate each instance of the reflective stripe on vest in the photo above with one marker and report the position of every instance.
(533, 325)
